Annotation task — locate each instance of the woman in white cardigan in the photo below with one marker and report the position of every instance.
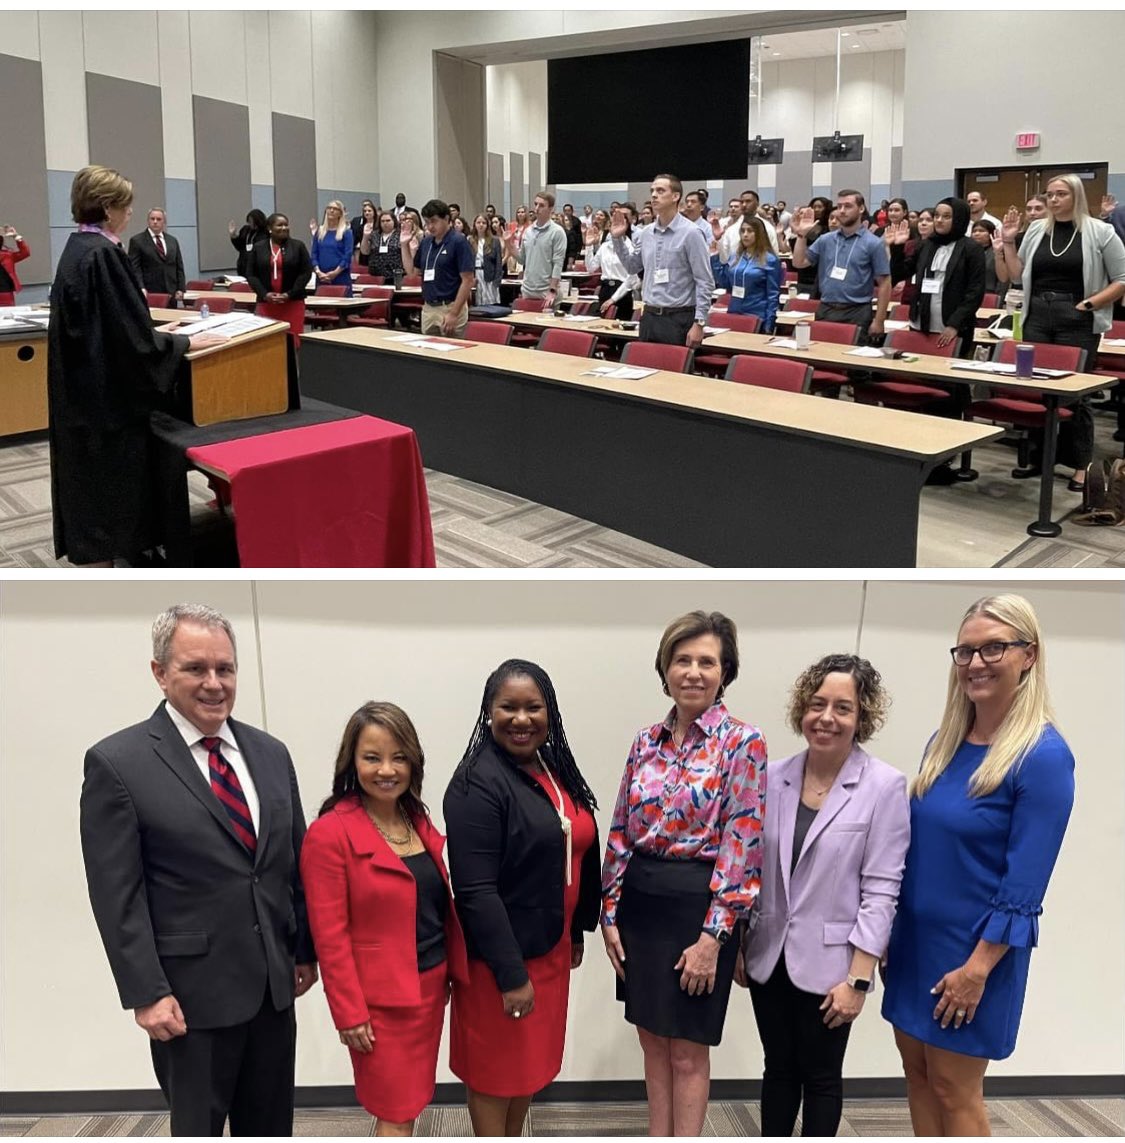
(1073, 270)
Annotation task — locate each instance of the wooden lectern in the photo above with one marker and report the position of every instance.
(23, 383)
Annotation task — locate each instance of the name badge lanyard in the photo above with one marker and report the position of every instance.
(431, 271)
(836, 260)
(564, 821)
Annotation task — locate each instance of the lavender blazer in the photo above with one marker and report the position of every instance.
(844, 889)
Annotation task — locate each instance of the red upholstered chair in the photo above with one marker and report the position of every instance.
(492, 332)
(840, 333)
(524, 338)
(378, 314)
(770, 373)
(572, 342)
(990, 302)
(158, 301)
(368, 279)
(652, 355)
(1023, 409)
(714, 362)
(1112, 367)
(802, 305)
(720, 301)
(218, 305)
(325, 320)
(580, 309)
(899, 394)
(197, 284)
(899, 312)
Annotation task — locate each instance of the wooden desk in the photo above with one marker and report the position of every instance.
(600, 327)
(314, 302)
(1055, 393)
(23, 382)
(729, 474)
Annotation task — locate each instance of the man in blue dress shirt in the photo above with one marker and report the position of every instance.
(673, 256)
(852, 266)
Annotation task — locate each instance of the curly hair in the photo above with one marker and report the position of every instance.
(874, 701)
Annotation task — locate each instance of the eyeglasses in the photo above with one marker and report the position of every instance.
(989, 652)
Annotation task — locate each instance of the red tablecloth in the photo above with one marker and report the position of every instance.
(346, 494)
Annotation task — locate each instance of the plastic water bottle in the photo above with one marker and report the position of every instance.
(204, 311)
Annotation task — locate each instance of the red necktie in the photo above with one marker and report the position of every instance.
(160, 244)
(228, 789)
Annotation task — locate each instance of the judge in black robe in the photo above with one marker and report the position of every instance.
(107, 370)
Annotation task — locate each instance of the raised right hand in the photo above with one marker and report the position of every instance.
(163, 1020)
(231, 228)
(1010, 226)
(803, 221)
(1109, 203)
(312, 225)
(899, 233)
(368, 227)
(618, 226)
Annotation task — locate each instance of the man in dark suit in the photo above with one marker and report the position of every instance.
(155, 255)
(191, 835)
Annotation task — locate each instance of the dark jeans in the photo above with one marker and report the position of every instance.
(804, 1058)
(244, 1072)
(668, 328)
(1059, 323)
(606, 291)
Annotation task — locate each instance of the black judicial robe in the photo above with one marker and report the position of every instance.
(107, 370)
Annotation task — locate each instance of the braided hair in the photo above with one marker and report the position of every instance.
(556, 750)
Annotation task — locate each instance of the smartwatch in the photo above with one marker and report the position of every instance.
(721, 935)
(1087, 304)
(859, 983)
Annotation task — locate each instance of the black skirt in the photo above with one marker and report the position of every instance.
(662, 909)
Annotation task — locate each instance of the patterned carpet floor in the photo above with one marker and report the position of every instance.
(862, 1118)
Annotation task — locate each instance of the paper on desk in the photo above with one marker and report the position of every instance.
(582, 317)
(441, 345)
(620, 372)
(891, 326)
(783, 343)
(229, 325)
(1113, 341)
(865, 351)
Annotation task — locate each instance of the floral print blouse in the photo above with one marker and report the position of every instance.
(703, 802)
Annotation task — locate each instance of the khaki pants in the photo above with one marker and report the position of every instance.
(432, 317)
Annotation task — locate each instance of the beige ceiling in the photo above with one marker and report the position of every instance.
(880, 37)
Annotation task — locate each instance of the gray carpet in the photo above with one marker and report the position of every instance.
(869, 1118)
(979, 525)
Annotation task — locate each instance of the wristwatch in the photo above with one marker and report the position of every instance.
(859, 983)
(721, 935)
(1087, 304)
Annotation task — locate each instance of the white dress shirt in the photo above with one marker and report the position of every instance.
(193, 739)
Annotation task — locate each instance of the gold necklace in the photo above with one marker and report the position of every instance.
(386, 836)
(1051, 243)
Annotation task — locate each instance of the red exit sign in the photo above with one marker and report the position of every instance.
(1028, 141)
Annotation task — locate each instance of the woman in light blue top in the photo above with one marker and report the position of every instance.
(753, 275)
(331, 248)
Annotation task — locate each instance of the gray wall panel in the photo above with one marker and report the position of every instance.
(23, 183)
(896, 172)
(222, 177)
(294, 172)
(534, 175)
(855, 175)
(794, 178)
(496, 191)
(517, 186)
(125, 124)
(459, 137)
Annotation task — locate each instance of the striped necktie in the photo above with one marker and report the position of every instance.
(228, 789)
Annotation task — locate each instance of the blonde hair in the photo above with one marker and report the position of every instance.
(322, 230)
(1078, 193)
(95, 191)
(1023, 725)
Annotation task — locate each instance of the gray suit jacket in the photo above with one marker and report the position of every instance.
(181, 905)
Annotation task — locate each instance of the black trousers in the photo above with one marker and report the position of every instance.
(606, 290)
(244, 1072)
(804, 1058)
(666, 328)
(1059, 323)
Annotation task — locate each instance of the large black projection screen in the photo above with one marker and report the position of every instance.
(626, 116)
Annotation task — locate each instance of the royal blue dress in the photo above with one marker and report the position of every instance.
(329, 252)
(977, 868)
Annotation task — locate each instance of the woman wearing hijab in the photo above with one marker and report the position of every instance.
(948, 278)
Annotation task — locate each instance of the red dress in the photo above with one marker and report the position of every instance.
(496, 1054)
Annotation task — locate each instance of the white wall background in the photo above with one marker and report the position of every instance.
(74, 667)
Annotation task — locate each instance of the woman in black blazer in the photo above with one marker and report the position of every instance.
(245, 239)
(949, 278)
(524, 861)
(278, 272)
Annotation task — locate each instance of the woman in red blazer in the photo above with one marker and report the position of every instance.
(382, 916)
(9, 280)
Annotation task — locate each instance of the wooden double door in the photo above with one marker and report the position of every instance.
(1013, 186)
